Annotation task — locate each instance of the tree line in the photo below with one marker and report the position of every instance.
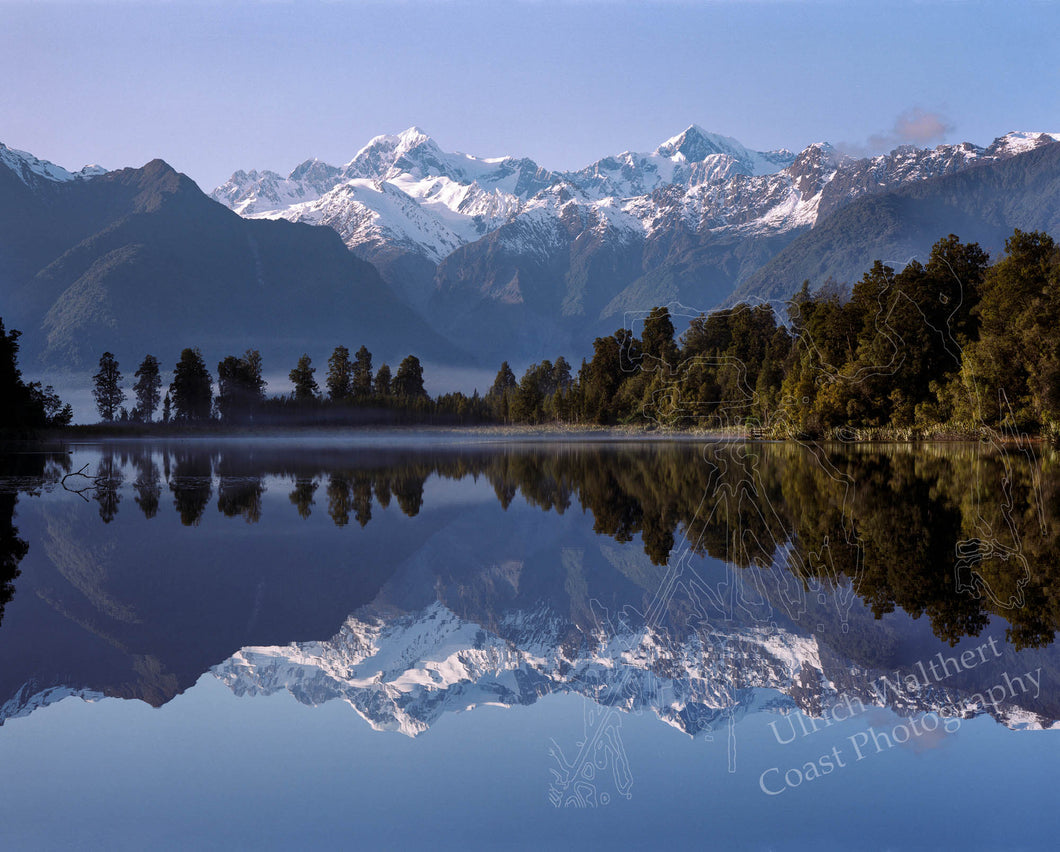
(240, 388)
(953, 344)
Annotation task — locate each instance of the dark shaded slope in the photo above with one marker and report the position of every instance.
(526, 291)
(141, 260)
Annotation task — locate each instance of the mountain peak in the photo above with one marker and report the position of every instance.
(1017, 141)
(29, 168)
(822, 149)
(413, 136)
(156, 181)
(406, 140)
(695, 144)
(416, 144)
(376, 159)
(813, 167)
(158, 165)
(315, 171)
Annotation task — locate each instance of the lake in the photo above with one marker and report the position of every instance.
(445, 640)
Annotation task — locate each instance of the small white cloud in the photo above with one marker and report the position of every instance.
(914, 126)
(921, 127)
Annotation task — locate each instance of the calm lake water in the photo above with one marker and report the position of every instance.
(409, 640)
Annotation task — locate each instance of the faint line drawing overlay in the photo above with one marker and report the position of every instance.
(1004, 443)
(600, 754)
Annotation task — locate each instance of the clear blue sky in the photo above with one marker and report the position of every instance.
(213, 87)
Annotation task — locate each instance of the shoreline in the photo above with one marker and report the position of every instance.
(486, 433)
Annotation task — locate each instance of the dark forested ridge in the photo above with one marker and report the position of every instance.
(140, 259)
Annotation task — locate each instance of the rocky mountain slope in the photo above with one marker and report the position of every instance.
(520, 261)
(983, 204)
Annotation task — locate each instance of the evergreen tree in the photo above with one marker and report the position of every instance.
(561, 376)
(504, 382)
(305, 386)
(408, 382)
(148, 389)
(240, 386)
(382, 381)
(255, 380)
(528, 400)
(191, 390)
(361, 384)
(602, 378)
(499, 396)
(562, 384)
(107, 389)
(1012, 373)
(340, 374)
(657, 341)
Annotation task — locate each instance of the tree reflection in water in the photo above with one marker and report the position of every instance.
(26, 472)
(954, 533)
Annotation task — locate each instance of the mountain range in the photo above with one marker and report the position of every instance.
(518, 261)
(461, 259)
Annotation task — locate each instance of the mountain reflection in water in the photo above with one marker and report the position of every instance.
(695, 581)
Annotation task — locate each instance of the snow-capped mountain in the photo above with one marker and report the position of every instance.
(398, 190)
(404, 672)
(405, 190)
(30, 169)
(506, 243)
(981, 195)
(507, 260)
(690, 158)
(256, 192)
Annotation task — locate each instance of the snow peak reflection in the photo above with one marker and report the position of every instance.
(899, 686)
(873, 740)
